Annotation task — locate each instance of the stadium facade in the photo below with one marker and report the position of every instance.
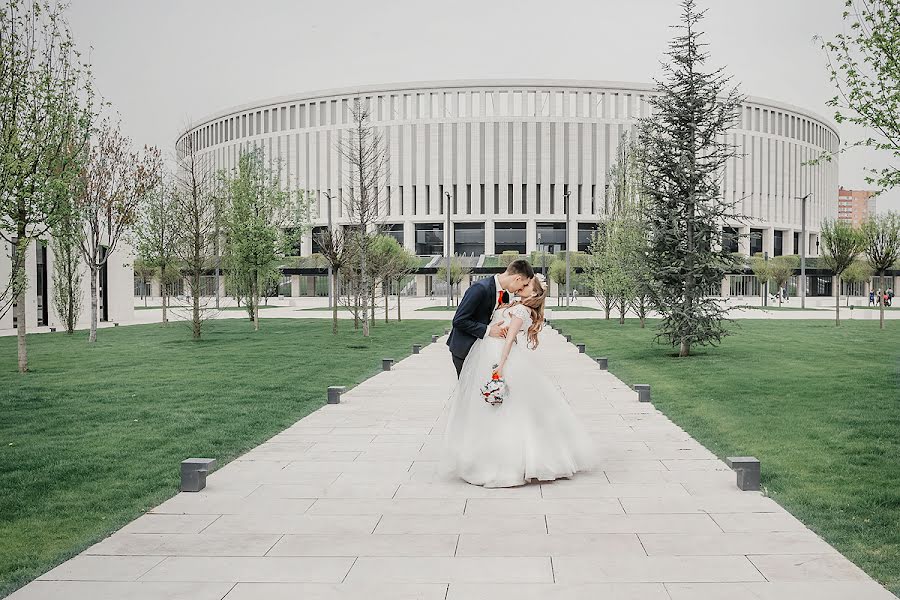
(509, 152)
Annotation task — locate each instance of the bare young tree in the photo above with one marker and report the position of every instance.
(195, 221)
(337, 253)
(46, 107)
(113, 183)
(363, 196)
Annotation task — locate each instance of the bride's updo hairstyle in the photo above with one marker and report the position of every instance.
(536, 305)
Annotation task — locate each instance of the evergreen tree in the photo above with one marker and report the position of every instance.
(685, 153)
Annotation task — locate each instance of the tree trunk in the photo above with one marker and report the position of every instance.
(621, 311)
(92, 337)
(70, 276)
(837, 300)
(255, 292)
(399, 283)
(881, 307)
(387, 296)
(195, 294)
(164, 298)
(334, 303)
(21, 328)
(684, 349)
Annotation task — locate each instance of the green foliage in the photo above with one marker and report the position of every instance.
(862, 63)
(558, 272)
(458, 271)
(258, 213)
(684, 152)
(841, 244)
(46, 103)
(67, 273)
(508, 257)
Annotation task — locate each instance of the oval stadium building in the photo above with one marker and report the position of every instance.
(508, 152)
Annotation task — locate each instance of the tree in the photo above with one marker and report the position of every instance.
(858, 272)
(864, 64)
(156, 235)
(195, 221)
(258, 214)
(458, 271)
(363, 196)
(595, 267)
(65, 243)
(841, 244)
(881, 235)
(405, 263)
(337, 253)
(761, 268)
(685, 153)
(143, 272)
(781, 269)
(46, 107)
(114, 182)
(388, 261)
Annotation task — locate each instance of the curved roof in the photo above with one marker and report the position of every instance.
(482, 84)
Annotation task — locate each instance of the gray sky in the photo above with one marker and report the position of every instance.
(167, 62)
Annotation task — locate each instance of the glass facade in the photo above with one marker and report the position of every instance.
(429, 239)
(509, 237)
(552, 236)
(468, 238)
(586, 236)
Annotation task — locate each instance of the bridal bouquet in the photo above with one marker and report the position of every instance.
(495, 390)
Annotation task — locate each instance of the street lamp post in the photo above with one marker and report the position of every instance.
(568, 250)
(543, 256)
(803, 249)
(447, 249)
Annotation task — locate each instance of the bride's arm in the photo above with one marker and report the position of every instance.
(514, 326)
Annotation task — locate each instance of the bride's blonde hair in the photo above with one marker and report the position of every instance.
(535, 304)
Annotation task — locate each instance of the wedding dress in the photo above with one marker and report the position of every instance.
(533, 434)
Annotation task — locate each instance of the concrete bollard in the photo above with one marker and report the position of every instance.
(434, 339)
(52, 329)
(194, 472)
(115, 324)
(334, 394)
(602, 362)
(747, 469)
(387, 364)
(569, 338)
(416, 348)
(580, 348)
(643, 390)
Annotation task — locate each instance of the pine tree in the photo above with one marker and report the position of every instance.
(685, 153)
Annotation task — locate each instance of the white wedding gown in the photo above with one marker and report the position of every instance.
(533, 434)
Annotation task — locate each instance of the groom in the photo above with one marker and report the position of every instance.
(473, 315)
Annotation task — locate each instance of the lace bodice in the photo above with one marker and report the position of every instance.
(505, 315)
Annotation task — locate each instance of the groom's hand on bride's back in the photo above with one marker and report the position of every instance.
(497, 331)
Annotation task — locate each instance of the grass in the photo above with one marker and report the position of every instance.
(819, 405)
(570, 308)
(861, 307)
(325, 308)
(93, 435)
(444, 308)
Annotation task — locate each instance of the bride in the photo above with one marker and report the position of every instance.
(533, 434)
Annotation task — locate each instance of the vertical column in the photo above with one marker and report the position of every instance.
(744, 240)
(489, 243)
(530, 236)
(769, 241)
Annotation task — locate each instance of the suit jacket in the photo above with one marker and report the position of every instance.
(472, 316)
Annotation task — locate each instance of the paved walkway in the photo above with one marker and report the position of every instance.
(346, 504)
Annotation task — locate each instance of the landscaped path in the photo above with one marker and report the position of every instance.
(347, 504)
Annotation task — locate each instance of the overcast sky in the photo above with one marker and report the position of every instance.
(164, 63)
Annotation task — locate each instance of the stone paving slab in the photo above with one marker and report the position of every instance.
(350, 503)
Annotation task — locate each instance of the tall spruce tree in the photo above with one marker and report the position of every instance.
(685, 209)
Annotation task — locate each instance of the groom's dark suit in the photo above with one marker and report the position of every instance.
(471, 319)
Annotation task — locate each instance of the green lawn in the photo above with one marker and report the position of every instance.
(324, 308)
(93, 436)
(819, 405)
(444, 308)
